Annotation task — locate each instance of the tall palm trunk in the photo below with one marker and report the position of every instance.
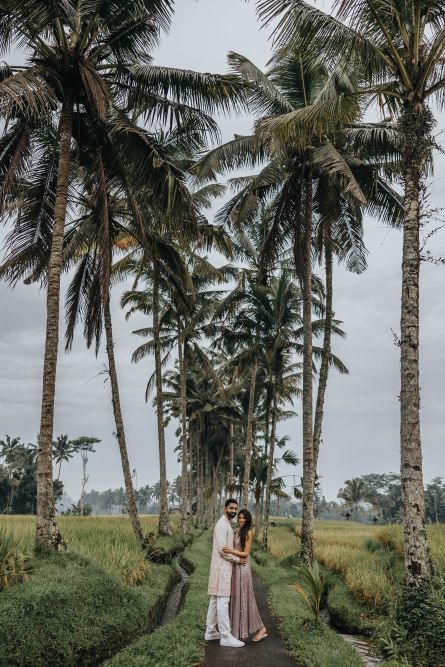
(270, 468)
(47, 534)
(183, 407)
(326, 354)
(416, 127)
(249, 438)
(307, 541)
(120, 432)
(258, 489)
(231, 460)
(164, 517)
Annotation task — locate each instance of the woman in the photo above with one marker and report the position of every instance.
(244, 616)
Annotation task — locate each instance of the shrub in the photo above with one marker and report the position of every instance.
(72, 612)
(415, 629)
(180, 643)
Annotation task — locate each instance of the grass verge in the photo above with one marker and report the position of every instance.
(74, 613)
(311, 643)
(180, 643)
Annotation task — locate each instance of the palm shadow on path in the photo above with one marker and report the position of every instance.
(270, 652)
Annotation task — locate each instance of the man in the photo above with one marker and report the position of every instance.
(220, 579)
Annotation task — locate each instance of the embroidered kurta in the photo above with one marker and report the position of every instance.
(244, 616)
(220, 578)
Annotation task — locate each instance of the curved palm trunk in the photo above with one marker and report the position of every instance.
(120, 432)
(249, 438)
(164, 517)
(324, 367)
(47, 534)
(184, 469)
(417, 561)
(269, 469)
(307, 529)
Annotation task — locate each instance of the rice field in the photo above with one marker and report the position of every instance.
(107, 540)
(352, 550)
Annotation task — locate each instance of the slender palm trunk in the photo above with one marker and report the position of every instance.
(164, 517)
(326, 354)
(60, 468)
(47, 534)
(183, 402)
(415, 128)
(120, 432)
(307, 540)
(266, 445)
(231, 460)
(257, 509)
(83, 482)
(249, 438)
(270, 469)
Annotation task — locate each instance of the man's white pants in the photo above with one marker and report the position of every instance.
(218, 613)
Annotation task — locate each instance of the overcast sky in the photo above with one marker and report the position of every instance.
(361, 428)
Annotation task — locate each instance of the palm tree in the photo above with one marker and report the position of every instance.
(290, 171)
(87, 64)
(354, 492)
(148, 301)
(397, 50)
(63, 450)
(84, 445)
(287, 181)
(11, 450)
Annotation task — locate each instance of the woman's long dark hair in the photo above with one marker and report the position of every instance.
(245, 529)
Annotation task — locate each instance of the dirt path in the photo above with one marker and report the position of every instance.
(270, 652)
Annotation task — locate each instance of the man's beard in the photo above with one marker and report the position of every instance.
(231, 515)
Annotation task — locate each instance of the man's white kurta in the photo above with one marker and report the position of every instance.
(220, 578)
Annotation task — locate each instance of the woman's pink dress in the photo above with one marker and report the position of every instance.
(244, 616)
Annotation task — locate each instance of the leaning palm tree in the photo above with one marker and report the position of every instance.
(397, 50)
(86, 64)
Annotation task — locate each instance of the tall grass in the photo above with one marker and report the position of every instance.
(14, 558)
(392, 538)
(368, 558)
(108, 540)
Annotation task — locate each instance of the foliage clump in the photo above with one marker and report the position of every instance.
(415, 629)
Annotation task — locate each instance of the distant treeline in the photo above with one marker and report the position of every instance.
(372, 497)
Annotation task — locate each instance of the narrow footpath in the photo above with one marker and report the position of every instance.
(270, 652)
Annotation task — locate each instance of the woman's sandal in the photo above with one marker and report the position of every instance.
(263, 636)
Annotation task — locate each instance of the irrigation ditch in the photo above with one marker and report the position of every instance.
(176, 594)
(361, 643)
(169, 604)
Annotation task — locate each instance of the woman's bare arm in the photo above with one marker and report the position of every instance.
(241, 554)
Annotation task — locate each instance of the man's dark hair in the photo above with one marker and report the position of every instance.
(229, 501)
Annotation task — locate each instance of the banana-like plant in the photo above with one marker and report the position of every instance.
(315, 583)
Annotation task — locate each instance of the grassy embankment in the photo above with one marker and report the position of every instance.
(311, 643)
(80, 607)
(363, 565)
(180, 643)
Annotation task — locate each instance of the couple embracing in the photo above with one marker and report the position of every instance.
(233, 613)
